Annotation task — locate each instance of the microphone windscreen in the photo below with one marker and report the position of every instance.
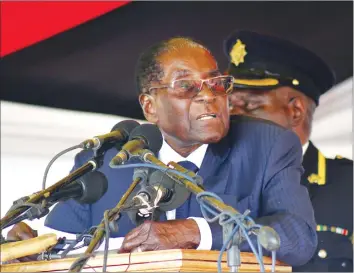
(151, 135)
(94, 186)
(178, 194)
(268, 238)
(126, 125)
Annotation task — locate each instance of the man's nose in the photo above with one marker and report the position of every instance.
(205, 95)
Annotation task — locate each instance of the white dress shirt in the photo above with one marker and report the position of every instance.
(166, 155)
(304, 148)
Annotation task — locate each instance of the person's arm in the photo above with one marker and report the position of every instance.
(285, 206)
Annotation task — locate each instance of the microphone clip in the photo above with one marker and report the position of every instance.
(64, 246)
(34, 211)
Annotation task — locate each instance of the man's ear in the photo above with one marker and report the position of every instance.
(297, 110)
(148, 105)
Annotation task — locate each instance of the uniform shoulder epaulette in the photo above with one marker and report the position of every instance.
(343, 159)
(319, 178)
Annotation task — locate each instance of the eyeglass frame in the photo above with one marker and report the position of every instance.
(171, 84)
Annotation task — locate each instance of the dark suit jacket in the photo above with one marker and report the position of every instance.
(257, 166)
(332, 200)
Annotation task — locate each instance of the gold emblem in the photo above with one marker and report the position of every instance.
(322, 253)
(238, 53)
(295, 82)
(317, 179)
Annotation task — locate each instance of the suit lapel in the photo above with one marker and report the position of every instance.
(214, 158)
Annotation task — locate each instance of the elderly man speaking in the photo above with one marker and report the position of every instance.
(250, 164)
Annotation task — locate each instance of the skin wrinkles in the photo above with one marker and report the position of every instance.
(284, 106)
(185, 133)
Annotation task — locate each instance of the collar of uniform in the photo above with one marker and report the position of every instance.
(304, 147)
(167, 154)
(310, 160)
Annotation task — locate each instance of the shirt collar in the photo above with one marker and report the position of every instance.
(304, 147)
(167, 154)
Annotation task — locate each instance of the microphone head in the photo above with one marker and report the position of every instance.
(177, 193)
(151, 135)
(268, 238)
(94, 186)
(126, 127)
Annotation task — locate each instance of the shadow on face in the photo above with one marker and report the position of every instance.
(187, 120)
(284, 106)
(269, 105)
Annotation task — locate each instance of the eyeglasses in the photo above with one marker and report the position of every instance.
(189, 88)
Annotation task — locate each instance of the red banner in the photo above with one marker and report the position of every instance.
(26, 23)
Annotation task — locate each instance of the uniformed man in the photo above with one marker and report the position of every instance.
(282, 82)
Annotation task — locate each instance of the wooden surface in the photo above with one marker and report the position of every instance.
(165, 260)
(24, 248)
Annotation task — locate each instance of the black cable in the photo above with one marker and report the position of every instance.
(23, 215)
(14, 207)
(18, 219)
(55, 158)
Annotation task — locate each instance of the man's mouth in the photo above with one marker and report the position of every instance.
(206, 116)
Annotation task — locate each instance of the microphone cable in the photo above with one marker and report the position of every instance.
(52, 161)
(238, 219)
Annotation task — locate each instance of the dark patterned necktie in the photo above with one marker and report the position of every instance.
(182, 211)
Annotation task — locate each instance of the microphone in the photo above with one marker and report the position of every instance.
(161, 193)
(268, 238)
(146, 136)
(168, 194)
(119, 133)
(88, 189)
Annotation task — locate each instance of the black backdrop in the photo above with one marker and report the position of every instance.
(91, 67)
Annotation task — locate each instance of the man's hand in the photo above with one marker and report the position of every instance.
(172, 234)
(19, 232)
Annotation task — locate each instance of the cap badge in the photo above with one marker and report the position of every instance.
(238, 53)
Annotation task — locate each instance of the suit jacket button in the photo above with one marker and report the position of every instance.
(322, 253)
(344, 264)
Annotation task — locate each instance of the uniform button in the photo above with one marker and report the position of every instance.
(344, 264)
(322, 253)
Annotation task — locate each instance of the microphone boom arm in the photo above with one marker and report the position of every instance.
(91, 165)
(192, 187)
(113, 215)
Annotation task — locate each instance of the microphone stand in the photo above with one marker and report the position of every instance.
(113, 215)
(191, 186)
(233, 252)
(94, 163)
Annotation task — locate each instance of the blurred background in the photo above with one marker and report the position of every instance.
(67, 70)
